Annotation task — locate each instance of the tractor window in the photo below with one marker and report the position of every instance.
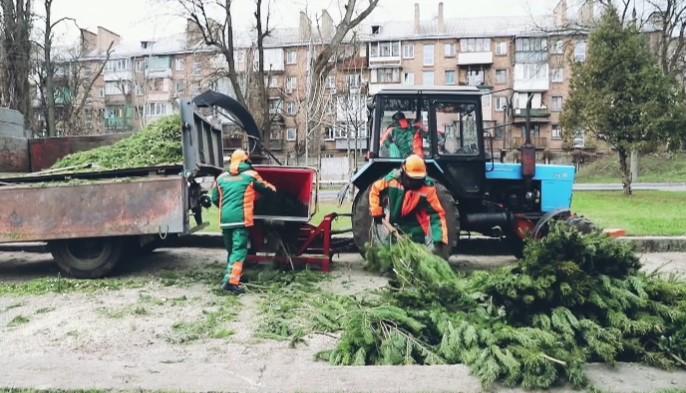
(456, 124)
(404, 128)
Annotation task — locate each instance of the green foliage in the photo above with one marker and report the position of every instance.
(18, 320)
(157, 144)
(59, 284)
(212, 324)
(574, 299)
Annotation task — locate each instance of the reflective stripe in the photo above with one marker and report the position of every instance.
(375, 207)
(248, 205)
(236, 273)
(435, 203)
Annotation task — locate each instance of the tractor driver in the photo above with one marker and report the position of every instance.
(399, 138)
(413, 203)
(234, 194)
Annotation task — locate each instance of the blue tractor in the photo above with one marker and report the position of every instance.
(508, 201)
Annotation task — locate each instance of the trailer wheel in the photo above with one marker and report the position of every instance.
(362, 220)
(86, 258)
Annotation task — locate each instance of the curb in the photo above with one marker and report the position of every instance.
(477, 245)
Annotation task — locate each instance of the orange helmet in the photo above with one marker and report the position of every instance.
(414, 167)
(239, 156)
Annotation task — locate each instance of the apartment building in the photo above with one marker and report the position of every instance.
(512, 60)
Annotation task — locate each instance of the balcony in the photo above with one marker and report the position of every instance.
(537, 115)
(360, 143)
(158, 73)
(114, 76)
(118, 123)
(538, 141)
(474, 58)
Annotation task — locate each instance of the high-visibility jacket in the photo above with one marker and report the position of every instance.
(234, 194)
(418, 213)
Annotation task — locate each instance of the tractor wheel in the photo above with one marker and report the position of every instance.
(362, 220)
(87, 258)
(581, 224)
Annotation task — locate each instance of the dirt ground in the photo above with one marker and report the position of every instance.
(142, 336)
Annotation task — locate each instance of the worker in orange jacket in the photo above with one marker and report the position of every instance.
(413, 204)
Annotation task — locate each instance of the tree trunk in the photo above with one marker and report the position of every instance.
(49, 72)
(634, 165)
(624, 168)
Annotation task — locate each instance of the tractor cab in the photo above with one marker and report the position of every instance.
(443, 125)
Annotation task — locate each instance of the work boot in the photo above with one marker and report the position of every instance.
(234, 289)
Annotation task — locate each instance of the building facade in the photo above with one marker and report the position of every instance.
(512, 60)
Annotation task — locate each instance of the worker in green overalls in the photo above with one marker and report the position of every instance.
(399, 137)
(234, 194)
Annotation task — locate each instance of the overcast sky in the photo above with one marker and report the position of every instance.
(148, 19)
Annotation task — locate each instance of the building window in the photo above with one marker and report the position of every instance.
(291, 108)
(291, 83)
(501, 48)
(180, 86)
(580, 51)
(139, 90)
(408, 78)
(408, 51)
(197, 68)
(428, 55)
(291, 134)
(500, 103)
(475, 45)
(386, 75)
(385, 49)
(353, 81)
(273, 81)
(557, 75)
(140, 65)
(449, 50)
(499, 132)
(329, 134)
(450, 77)
(156, 109)
(556, 105)
(531, 44)
(475, 76)
(179, 64)
(558, 47)
(276, 134)
(501, 77)
(118, 65)
(291, 56)
(428, 78)
(556, 132)
(331, 82)
(275, 106)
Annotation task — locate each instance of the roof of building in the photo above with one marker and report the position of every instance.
(490, 26)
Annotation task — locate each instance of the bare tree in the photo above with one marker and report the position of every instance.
(321, 64)
(48, 67)
(669, 17)
(78, 78)
(16, 21)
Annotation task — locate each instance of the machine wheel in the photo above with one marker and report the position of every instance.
(87, 258)
(362, 220)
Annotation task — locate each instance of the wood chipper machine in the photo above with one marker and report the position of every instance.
(283, 233)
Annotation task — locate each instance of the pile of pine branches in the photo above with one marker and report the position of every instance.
(157, 144)
(574, 299)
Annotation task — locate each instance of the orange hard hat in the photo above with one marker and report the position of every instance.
(414, 167)
(239, 156)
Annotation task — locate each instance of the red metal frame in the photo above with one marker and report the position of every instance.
(307, 253)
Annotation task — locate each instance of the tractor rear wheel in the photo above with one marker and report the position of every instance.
(87, 258)
(362, 220)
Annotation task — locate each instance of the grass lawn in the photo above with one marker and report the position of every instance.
(644, 213)
(211, 216)
(653, 168)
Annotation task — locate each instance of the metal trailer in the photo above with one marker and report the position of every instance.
(90, 220)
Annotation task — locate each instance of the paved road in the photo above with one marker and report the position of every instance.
(331, 195)
(675, 187)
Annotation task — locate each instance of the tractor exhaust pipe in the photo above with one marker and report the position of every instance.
(528, 150)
